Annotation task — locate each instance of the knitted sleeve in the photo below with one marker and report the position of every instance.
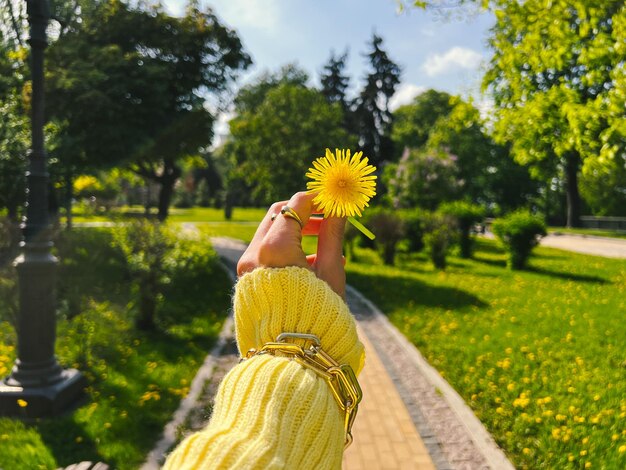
(271, 412)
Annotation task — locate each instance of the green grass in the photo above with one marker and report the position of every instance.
(588, 231)
(194, 214)
(539, 355)
(136, 379)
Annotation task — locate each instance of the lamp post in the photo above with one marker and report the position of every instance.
(37, 386)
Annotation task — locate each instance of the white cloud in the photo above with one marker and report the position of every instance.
(455, 58)
(404, 95)
(263, 15)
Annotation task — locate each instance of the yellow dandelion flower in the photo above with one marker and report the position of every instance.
(621, 449)
(22, 403)
(344, 183)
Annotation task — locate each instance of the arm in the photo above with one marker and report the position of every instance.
(271, 412)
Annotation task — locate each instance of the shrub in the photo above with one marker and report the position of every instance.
(519, 232)
(438, 234)
(414, 221)
(350, 240)
(389, 230)
(465, 216)
(164, 265)
(147, 246)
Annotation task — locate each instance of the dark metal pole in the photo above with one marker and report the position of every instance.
(37, 379)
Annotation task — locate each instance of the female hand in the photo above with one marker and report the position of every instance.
(278, 243)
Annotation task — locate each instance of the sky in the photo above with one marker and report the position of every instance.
(433, 52)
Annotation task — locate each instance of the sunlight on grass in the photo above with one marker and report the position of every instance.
(538, 355)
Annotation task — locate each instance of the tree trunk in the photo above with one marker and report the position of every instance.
(69, 195)
(572, 163)
(12, 212)
(167, 180)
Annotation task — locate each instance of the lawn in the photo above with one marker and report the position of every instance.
(539, 355)
(193, 214)
(136, 379)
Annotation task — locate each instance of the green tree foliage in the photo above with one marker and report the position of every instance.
(129, 86)
(486, 171)
(437, 122)
(603, 186)
(371, 112)
(557, 78)
(422, 179)
(412, 123)
(274, 143)
(14, 126)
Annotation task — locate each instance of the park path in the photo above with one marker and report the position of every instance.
(588, 244)
(410, 417)
(585, 244)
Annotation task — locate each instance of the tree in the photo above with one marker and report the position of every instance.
(14, 126)
(554, 76)
(437, 122)
(487, 173)
(273, 145)
(371, 109)
(603, 186)
(334, 80)
(129, 86)
(423, 179)
(412, 123)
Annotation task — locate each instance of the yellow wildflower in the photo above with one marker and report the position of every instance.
(22, 403)
(622, 449)
(344, 183)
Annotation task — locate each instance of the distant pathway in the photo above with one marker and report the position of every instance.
(591, 245)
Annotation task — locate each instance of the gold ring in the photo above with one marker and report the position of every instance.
(291, 214)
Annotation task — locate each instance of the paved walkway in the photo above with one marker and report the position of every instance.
(410, 418)
(591, 245)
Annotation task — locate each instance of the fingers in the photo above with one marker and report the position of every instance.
(282, 244)
(249, 259)
(329, 262)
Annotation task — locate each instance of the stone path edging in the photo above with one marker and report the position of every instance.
(481, 438)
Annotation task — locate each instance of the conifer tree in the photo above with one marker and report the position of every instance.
(372, 115)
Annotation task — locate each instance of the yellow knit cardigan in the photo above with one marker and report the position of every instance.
(271, 412)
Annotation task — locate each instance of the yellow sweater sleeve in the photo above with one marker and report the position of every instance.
(271, 412)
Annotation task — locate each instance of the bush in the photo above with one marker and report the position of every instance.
(164, 265)
(519, 232)
(389, 230)
(414, 221)
(350, 240)
(465, 215)
(147, 246)
(439, 230)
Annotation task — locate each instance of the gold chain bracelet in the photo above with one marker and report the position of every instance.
(340, 377)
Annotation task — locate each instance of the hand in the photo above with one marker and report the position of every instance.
(278, 243)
